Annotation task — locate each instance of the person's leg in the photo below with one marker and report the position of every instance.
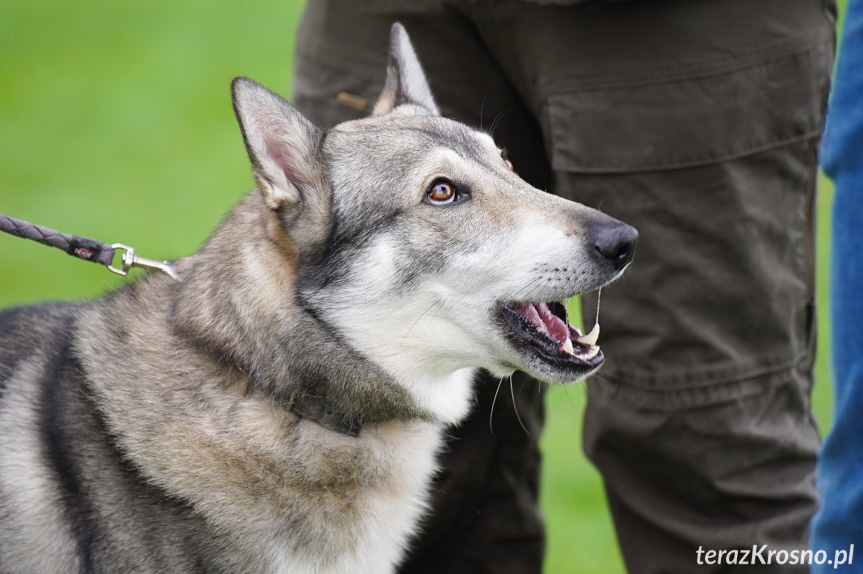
(485, 516)
(676, 371)
(342, 47)
(838, 524)
(697, 122)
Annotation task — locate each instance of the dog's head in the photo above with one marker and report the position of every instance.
(421, 246)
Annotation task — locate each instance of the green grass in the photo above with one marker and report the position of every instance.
(116, 123)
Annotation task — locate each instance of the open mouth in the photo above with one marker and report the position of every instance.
(544, 329)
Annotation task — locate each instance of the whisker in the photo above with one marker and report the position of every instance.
(415, 324)
(433, 316)
(498, 119)
(529, 285)
(493, 401)
(515, 407)
(568, 396)
(414, 297)
(482, 107)
(533, 290)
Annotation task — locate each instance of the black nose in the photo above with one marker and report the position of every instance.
(616, 242)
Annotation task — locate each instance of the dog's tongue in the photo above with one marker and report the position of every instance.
(556, 327)
(544, 321)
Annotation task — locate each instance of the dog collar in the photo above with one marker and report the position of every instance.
(316, 410)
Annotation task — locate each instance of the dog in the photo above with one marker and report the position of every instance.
(280, 407)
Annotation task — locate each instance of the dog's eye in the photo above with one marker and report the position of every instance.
(441, 192)
(506, 162)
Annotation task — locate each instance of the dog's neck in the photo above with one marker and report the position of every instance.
(306, 364)
(318, 411)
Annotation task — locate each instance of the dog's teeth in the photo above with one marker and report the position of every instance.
(591, 338)
(567, 347)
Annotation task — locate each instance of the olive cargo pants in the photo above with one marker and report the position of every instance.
(696, 121)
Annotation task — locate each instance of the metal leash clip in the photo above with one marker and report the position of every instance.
(131, 260)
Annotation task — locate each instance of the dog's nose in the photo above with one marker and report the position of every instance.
(616, 242)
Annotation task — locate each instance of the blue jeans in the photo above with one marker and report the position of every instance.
(839, 522)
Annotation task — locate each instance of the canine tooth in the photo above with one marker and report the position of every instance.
(567, 347)
(591, 338)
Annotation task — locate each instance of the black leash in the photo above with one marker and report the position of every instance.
(83, 247)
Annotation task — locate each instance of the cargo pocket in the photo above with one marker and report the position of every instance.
(330, 95)
(718, 175)
(690, 122)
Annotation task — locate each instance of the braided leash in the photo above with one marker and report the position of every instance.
(83, 247)
(80, 247)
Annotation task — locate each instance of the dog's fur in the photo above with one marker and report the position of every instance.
(197, 425)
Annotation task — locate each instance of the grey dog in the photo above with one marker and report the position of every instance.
(281, 406)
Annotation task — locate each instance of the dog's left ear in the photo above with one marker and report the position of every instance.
(283, 146)
(406, 83)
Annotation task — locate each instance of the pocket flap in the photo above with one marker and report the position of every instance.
(685, 123)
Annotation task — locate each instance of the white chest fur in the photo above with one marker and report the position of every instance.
(355, 509)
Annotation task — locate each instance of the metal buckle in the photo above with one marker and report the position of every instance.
(130, 260)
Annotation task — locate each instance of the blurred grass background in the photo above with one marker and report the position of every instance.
(116, 124)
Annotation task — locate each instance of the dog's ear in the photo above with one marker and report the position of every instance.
(406, 83)
(283, 147)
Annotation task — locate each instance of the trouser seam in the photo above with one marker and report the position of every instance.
(806, 136)
(696, 397)
(356, 70)
(672, 74)
(707, 380)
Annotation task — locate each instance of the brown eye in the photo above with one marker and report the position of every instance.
(508, 164)
(441, 192)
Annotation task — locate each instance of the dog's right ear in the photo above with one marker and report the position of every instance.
(406, 82)
(283, 147)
